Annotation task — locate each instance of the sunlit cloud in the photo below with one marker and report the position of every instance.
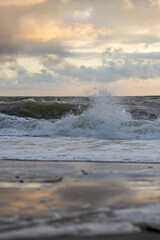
(43, 29)
(155, 2)
(83, 14)
(129, 4)
(66, 1)
(46, 28)
(19, 2)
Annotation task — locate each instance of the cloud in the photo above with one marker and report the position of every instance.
(4, 3)
(10, 51)
(47, 28)
(86, 13)
(61, 21)
(13, 41)
(129, 4)
(43, 29)
(42, 49)
(64, 74)
(21, 79)
(51, 60)
(68, 37)
(6, 58)
(155, 2)
(119, 53)
(125, 68)
(135, 87)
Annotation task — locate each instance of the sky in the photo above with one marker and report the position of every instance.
(69, 47)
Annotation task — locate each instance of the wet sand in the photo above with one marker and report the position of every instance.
(68, 200)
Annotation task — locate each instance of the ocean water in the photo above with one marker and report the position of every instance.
(99, 127)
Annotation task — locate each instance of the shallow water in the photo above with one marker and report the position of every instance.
(81, 149)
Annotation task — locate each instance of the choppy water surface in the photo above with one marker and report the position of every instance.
(96, 128)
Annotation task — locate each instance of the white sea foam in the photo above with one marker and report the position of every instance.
(79, 149)
(105, 119)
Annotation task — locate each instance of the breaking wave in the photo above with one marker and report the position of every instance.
(106, 118)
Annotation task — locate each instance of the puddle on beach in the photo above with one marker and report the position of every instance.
(39, 198)
(27, 197)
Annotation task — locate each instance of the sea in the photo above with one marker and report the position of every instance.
(99, 127)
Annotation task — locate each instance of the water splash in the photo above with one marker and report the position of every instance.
(106, 118)
(101, 120)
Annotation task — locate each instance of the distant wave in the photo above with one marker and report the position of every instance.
(40, 110)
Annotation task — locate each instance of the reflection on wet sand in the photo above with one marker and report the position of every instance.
(105, 193)
(66, 200)
(38, 198)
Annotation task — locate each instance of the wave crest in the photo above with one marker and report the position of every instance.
(105, 119)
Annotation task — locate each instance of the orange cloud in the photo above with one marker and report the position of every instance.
(19, 2)
(155, 2)
(43, 29)
(48, 28)
(128, 4)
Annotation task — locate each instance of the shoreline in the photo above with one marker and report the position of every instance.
(80, 199)
(81, 161)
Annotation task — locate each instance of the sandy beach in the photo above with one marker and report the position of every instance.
(79, 200)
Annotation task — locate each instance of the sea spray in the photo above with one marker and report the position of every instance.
(101, 120)
(105, 117)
